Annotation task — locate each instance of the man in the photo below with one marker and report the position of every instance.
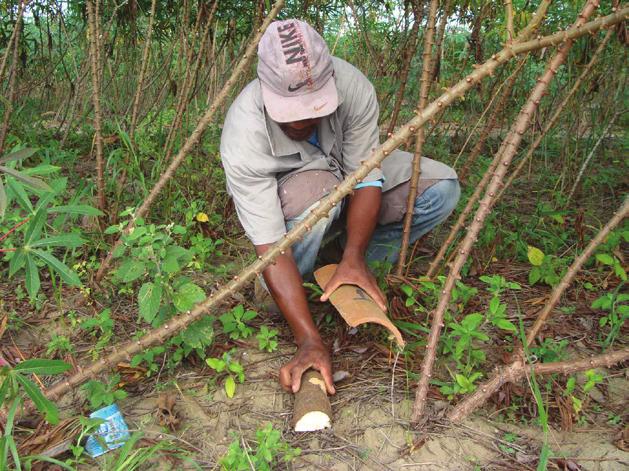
(291, 135)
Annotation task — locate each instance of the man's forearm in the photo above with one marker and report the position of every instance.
(285, 284)
(362, 217)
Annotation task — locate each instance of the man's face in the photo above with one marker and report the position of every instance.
(300, 130)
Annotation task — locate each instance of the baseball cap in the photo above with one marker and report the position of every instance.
(296, 72)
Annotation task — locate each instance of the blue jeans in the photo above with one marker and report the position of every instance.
(432, 207)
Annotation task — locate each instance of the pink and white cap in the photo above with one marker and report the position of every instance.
(296, 72)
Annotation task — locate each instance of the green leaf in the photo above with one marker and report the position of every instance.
(200, 333)
(230, 387)
(82, 209)
(149, 299)
(41, 366)
(18, 155)
(504, 324)
(58, 266)
(33, 182)
(17, 261)
(605, 259)
(20, 195)
(570, 385)
(494, 304)
(534, 275)
(35, 225)
(535, 256)
(216, 364)
(70, 241)
(472, 321)
(187, 296)
(44, 405)
(32, 277)
(130, 270)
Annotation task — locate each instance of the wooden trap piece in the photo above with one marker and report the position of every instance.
(312, 407)
(354, 305)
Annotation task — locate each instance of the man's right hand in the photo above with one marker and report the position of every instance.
(311, 354)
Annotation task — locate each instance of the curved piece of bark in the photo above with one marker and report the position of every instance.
(557, 112)
(518, 370)
(354, 305)
(512, 143)
(195, 137)
(312, 410)
(421, 135)
(126, 350)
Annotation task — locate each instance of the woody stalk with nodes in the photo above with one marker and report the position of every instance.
(156, 336)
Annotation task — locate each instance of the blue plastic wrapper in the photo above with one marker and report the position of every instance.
(111, 434)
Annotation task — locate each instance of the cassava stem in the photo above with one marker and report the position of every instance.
(158, 335)
(518, 370)
(425, 82)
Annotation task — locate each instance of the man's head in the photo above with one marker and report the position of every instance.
(296, 74)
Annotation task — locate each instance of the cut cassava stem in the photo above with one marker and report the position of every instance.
(177, 324)
(557, 112)
(312, 410)
(424, 89)
(511, 145)
(94, 42)
(12, 88)
(195, 137)
(517, 370)
(145, 59)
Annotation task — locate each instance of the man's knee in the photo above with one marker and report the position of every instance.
(444, 196)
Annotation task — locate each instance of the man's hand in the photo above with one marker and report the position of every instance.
(309, 355)
(354, 271)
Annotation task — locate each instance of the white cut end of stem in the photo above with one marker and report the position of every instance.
(313, 421)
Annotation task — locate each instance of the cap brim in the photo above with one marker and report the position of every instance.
(284, 109)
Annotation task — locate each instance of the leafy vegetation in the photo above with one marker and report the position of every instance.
(55, 231)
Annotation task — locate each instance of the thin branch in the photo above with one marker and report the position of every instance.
(12, 40)
(426, 82)
(145, 59)
(517, 370)
(573, 270)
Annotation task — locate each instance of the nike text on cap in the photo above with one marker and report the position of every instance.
(296, 72)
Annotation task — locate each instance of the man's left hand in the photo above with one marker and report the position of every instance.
(354, 271)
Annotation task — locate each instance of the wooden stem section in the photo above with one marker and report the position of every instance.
(11, 91)
(426, 81)
(510, 148)
(517, 370)
(312, 406)
(145, 60)
(93, 29)
(159, 335)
